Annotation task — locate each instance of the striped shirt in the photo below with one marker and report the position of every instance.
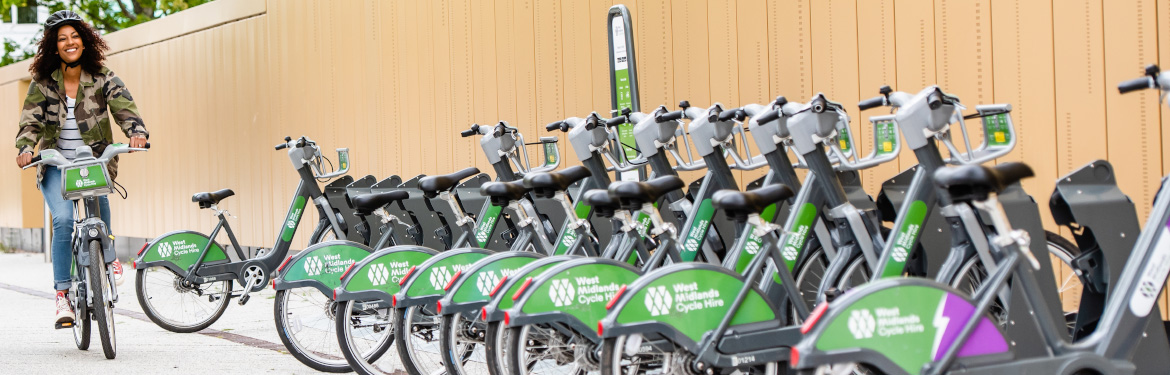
(70, 138)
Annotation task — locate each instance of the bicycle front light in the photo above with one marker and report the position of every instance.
(93, 232)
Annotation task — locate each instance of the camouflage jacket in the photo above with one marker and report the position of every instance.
(44, 113)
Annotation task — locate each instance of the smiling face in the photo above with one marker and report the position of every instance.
(69, 44)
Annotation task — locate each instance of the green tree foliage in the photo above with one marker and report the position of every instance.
(105, 15)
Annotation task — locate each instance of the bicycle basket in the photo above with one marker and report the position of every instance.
(86, 180)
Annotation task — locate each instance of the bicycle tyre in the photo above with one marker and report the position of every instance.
(103, 312)
(284, 329)
(495, 346)
(159, 318)
(454, 344)
(345, 339)
(404, 320)
(81, 323)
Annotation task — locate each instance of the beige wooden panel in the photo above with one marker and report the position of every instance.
(914, 32)
(835, 57)
(963, 56)
(1133, 120)
(789, 47)
(754, 85)
(722, 52)
(548, 27)
(654, 29)
(692, 73)
(524, 48)
(1023, 50)
(1164, 60)
(395, 96)
(13, 210)
(483, 22)
(462, 82)
(599, 61)
(1080, 85)
(507, 89)
(578, 67)
(441, 158)
(875, 68)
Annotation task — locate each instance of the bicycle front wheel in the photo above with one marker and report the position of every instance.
(103, 310)
(365, 331)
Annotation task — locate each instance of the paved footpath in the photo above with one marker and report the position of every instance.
(243, 341)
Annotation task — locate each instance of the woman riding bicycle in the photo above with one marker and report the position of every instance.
(66, 108)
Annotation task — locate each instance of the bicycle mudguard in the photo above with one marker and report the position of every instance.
(472, 288)
(502, 293)
(319, 266)
(574, 293)
(898, 325)
(178, 251)
(431, 279)
(377, 277)
(683, 302)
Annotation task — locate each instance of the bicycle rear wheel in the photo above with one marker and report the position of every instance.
(462, 342)
(305, 324)
(81, 324)
(176, 306)
(103, 311)
(365, 331)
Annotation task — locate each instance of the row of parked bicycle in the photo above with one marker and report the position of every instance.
(546, 271)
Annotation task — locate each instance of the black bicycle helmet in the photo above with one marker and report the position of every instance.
(62, 17)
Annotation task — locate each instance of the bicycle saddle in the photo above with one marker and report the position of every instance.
(739, 205)
(977, 182)
(544, 185)
(365, 204)
(603, 204)
(502, 193)
(433, 185)
(205, 200)
(632, 194)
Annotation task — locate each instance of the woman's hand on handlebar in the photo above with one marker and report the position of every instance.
(24, 159)
(137, 141)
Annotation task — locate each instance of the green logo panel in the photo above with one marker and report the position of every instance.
(293, 219)
(693, 308)
(569, 236)
(905, 240)
(693, 239)
(480, 283)
(798, 234)
(324, 264)
(581, 291)
(385, 272)
(486, 225)
(754, 243)
(434, 279)
(182, 249)
(85, 178)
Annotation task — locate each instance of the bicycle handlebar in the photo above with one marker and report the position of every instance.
(871, 103)
(615, 121)
(1136, 84)
(733, 114)
(669, 116)
(769, 116)
(555, 126)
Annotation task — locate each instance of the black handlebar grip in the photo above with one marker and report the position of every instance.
(553, 126)
(768, 116)
(146, 146)
(873, 102)
(780, 101)
(1135, 85)
(35, 159)
(728, 115)
(684, 104)
(669, 116)
(467, 133)
(281, 146)
(615, 121)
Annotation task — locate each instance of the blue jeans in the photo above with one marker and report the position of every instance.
(62, 212)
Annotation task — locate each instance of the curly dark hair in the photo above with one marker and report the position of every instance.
(47, 60)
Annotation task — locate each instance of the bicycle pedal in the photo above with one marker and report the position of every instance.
(244, 299)
(63, 325)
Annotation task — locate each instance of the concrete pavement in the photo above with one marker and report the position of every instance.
(243, 341)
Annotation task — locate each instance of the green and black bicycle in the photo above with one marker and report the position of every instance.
(93, 291)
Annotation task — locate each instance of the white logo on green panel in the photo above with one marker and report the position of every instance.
(562, 292)
(658, 300)
(313, 266)
(486, 282)
(164, 249)
(484, 230)
(440, 276)
(378, 274)
(790, 253)
(861, 324)
(899, 254)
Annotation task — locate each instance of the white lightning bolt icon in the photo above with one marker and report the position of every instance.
(940, 325)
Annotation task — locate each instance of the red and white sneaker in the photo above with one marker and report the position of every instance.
(64, 309)
(116, 270)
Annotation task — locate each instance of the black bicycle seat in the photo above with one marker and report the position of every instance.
(205, 200)
(603, 204)
(739, 205)
(977, 182)
(365, 204)
(502, 193)
(632, 194)
(544, 185)
(433, 185)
